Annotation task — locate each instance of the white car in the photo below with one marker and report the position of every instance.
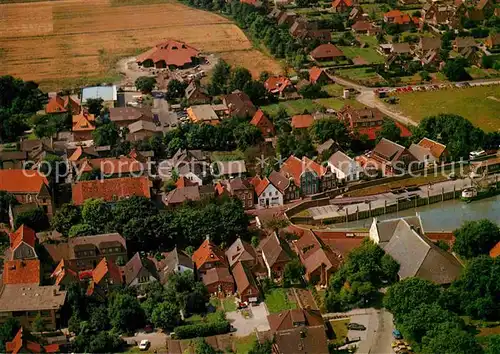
(144, 344)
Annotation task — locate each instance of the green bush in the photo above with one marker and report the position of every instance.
(202, 329)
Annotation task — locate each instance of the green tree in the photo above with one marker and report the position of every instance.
(94, 106)
(97, 213)
(487, 61)
(81, 230)
(294, 270)
(247, 135)
(312, 91)
(38, 324)
(476, 238)
(34, 218)
(220, 77)
(450, 341)
(175, 89)
(125, 313)
(134, 207)
(407, 294)
(492, 344)
(8, 329)
(6, 201)
(261, 348)
(98, 320)
(239, 78)
(166, 316)
(454, 69)
(145, 84)
(327, 128)
(203, 347)
(389, 131)
(302, 3)
(256, 92)
(106, 134)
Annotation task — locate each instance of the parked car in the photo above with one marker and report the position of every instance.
(144, 344)
(397, 334)
(158, 94)
(242, 305)
(148, 328)
(356, 326)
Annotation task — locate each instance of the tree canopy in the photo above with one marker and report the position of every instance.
(145, 84)
(475, 238)
(94, 106)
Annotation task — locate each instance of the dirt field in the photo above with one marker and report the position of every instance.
(70, 42)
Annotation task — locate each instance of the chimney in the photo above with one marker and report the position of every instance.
(54, 292)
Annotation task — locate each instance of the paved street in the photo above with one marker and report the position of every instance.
(245, 327)
(157, 339)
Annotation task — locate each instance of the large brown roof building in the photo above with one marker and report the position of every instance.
(171, 53)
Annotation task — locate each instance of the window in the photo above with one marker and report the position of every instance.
(143, 279)
(45, 313)
(32, 313)
(18, 313)
(5, 314)
(264, 194)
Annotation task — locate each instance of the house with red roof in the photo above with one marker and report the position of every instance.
(275, 254)
(268, 195)
(279, 85)
(24, 342)
(311, 177)
(208, 256)
(122, 166)
(171, 54)
(319, 76)
(58, 104)
(342, 5)
(247, 288)
(365, 27)
(403, 20)
(219, 281)
(326, 52)
(83, 126)
(24, 271)
(302, 121)
(64, 274)
(260, 120)
(29, 187)
(495, 251)
(111, 190)
(22, 244)
(105, 276)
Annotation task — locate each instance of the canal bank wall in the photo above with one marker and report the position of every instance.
(298, 214)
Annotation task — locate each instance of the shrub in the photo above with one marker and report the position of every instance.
(202, 329)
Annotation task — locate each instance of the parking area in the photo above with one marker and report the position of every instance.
(246, 326)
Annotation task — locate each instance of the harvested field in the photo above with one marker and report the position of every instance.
(55, 42)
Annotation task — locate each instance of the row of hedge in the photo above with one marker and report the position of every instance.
(202, 329)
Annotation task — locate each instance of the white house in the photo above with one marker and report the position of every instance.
(267, 194)
(345, 168)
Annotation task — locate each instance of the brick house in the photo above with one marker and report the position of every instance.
(29, 187)
(327, 52)
(286, 185)
(65, 104)
(241, 251)
(274, 252)
(263, 123)
(267, 193)
(139, 271)
(279, 85)
(246, 286)
(21, 272)
(342, 5)
(105, 276)
(64, 274)
(239, 188)
(83, 126)
(391, 156)
(24, 342)
(171, 54)
(219, 281)
(195, 94)
(124, 116)
(22, 244)
(85, 252)
(318, 76)
(239, 104)
(208, 256)
(309, 175)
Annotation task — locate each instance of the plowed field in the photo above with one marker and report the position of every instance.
(66, 42)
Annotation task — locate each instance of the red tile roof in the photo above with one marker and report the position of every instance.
(277, 84)
(261, 187)
(495, 251)
(185, 182)
(21, 181)
(22, 234)
(336, 3)
(436, 148)
(315, 74)
(111, 189)
(325, 51)
(302, 121)
(295, 167)
(111, 166)
(208, 252)
(83, 122)
(361, 26)
(58, 104)
(24, 342)
(63, 269)
(106, 267)
(314, 254)
(217, 275)
(400, 18)
(21, 272)
(172, 52)
(263, 123)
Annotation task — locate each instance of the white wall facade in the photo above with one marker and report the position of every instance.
(270, 197)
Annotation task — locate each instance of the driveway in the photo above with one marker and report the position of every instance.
(158, 339)
(246, 326)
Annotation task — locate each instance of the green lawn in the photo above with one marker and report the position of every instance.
(359, 74)
(479, 73)
(480, 105)
(244, 344)
(209, 317)
(335, 90)
(292, 107)
(370, 40)
(229, 304)
(369, 54)
(277, 301)
(337, 103)
(374, 10)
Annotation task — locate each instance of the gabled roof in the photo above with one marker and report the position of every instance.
(169, 265)
(336, 3)
(120, 114)
(240, 251)
(181, 195)
(208, 252)
(324, 51)
(295, 167)
(21, 271)
(111, 189)
(388, 150)
(171, 51)
(259, 119)
(134, 266)
(430, 43)
(302, 121)
(243, 278)
(315, 73)
(183, 182)
(280, 181)
(62, 270)
(143, 125)
(495, 251)
(362, 25)
(277, 84)
(290, 319)
(273, 250)
(22, 234)
(306, 340)
(465, 42)
(315, 254)
(217, 275)
(111, 166)
(104, 268)
(22, 181)
(239, 104)
(261, 187)
(58, 104)
(83, 122)
(24, 342)
(31, 297)
(435, 148)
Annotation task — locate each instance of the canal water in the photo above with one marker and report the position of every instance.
(444, 216)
